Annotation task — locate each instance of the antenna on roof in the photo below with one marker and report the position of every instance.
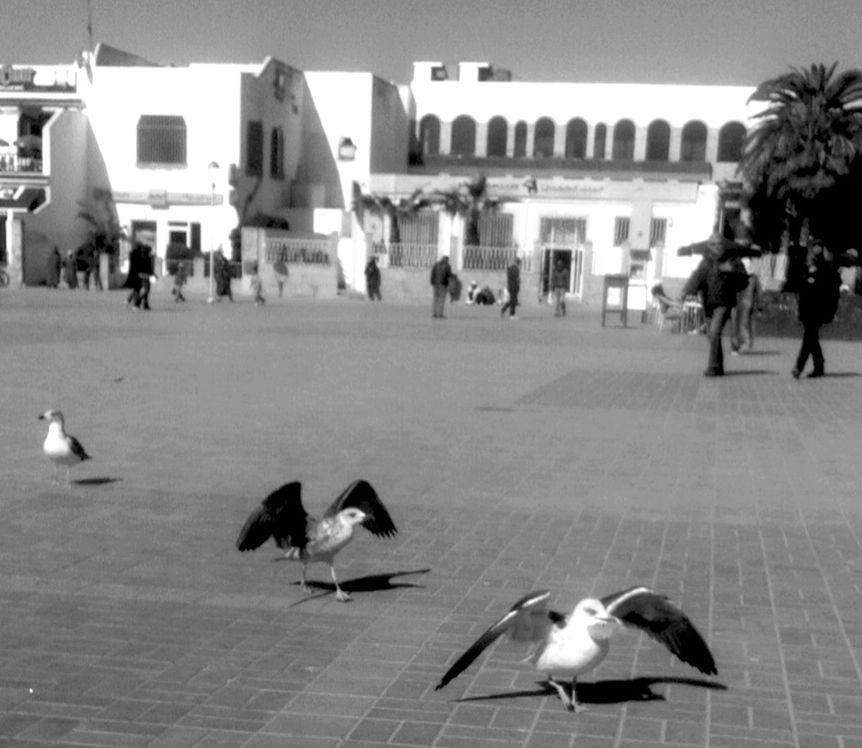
(90, 25)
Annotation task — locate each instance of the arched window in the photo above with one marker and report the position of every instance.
(576, 139)
(463, 136)
(521, 140)
(658, 141)
(543, 139)
(600, 141)
(498, 136)
(693, 142)
(624, 141)
(429, 135)
(276, 153)
(731, 138)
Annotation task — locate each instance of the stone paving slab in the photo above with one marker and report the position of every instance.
(538, 454)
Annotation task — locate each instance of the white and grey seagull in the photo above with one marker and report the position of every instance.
(567, 647)
(60, 447)
(282, 517)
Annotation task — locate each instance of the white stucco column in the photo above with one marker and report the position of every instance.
(711, 145)
(640, 143)
(445, 138)
(675, 144)
(481, 139)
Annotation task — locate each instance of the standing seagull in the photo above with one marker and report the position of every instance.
(58, 446)
(568, 647)
(304, 538)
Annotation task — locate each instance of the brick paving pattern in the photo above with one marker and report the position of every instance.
(538, 454)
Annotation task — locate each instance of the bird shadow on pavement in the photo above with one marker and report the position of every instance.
(370, 583)
(608, 691)
(102, 480)
(748, 372)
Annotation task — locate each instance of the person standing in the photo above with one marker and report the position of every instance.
(742, 319)
(222, 276)
(54, 268)
(513, 285)
(559, 286)
(717, 279)
(441, 273)
(281, 275)
(818, 301)
(70, 270)
(95, 259)
(372, 279)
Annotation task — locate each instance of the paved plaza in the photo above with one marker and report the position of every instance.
(513, 456)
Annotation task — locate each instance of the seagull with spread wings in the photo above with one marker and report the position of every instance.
(567, 647)
(282, 517)
(60, 447)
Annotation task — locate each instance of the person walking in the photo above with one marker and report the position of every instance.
(95, 260)
(742, 319)
(146, 272)
(372, 279)
(256, 286)
(281, 275)
(717, 279)
(559, 286)
(441, 273)
(513, 285)
(818, 301)
(133, 277)
(222, 276)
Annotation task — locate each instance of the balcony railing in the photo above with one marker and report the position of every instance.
(13, 164)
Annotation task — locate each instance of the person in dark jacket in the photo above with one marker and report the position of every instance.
(54, 268)
(133, 277)
(818, 301)
(559, 286)
(717, 279)
(441, 274)
(513, 286)
(372, 279)
(70, 270)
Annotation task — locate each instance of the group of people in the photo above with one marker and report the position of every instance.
(730, 293)
(76, 269)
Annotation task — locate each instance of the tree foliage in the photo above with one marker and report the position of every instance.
(801, 160)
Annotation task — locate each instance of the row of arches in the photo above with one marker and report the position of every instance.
(731, 137)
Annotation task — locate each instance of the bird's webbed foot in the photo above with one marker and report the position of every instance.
(341, 595)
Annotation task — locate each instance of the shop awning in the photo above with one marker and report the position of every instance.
(21, 197)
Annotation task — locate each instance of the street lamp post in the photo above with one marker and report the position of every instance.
(213, 172)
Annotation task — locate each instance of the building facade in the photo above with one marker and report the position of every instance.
(610, 178)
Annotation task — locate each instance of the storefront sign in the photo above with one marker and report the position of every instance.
(164, 199)
(16, 77)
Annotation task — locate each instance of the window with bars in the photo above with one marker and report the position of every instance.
(254, 149)
(161, 140)
(657, 231)
(621, 230)
(495, 229)
(276, 153)
(562, 231)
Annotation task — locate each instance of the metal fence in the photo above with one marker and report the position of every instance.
(309, 251)
(410, 255)
(488, 258)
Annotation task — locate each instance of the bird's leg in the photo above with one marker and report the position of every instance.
(561, 692)
(340, 594)
(302, 583)
(576, 705)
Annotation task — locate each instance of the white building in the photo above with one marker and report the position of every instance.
(612, 178)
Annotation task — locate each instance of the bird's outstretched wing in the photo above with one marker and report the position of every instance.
(361, 495)
(527, 620)
(78, 449)
(280, 516)
(663, 621)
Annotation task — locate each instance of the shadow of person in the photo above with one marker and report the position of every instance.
(841, 374)
(608, 691)
(370, 583)
(95, 481)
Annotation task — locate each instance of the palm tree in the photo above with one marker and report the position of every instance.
(105, 230)
(467, 200)
(801, 153)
